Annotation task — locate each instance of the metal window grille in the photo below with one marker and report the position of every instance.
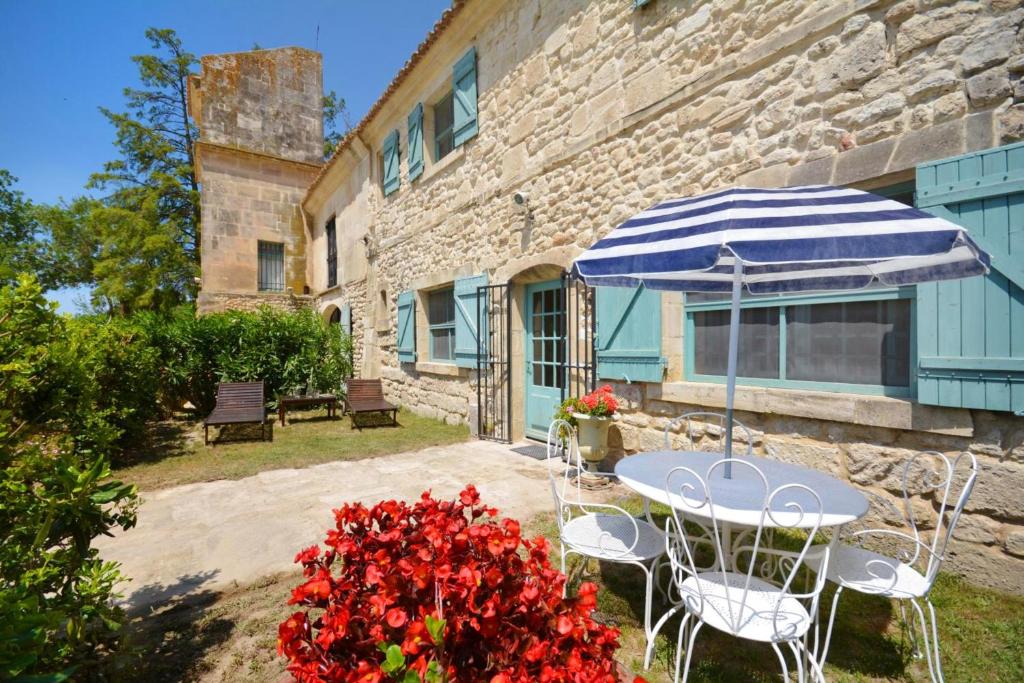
(332, 254)
(270, 266)
(441, 319)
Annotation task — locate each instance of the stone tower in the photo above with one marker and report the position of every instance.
(260, 120)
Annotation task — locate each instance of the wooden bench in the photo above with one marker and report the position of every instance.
(367, 396)
(238, 403)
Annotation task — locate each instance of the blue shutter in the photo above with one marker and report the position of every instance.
(346, 319)
(464, 97)
(390, 154)
(970, 333)
(629, 334)
(415, 152)
(406, 333)
(469, 338)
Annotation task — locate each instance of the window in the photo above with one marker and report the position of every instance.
(858, 342)
(444, 125)
(441, 324)
(332, 253)
(270, 266)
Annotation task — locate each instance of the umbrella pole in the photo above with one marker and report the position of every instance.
(734, 344)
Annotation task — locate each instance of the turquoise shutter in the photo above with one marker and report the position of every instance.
(469, 338)
(415, 152)
(346, 319)
(406, 333)
(464, 97)
(970, 333)
(629, 334)
(390, 154)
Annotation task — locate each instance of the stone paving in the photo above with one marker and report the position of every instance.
(212, 536)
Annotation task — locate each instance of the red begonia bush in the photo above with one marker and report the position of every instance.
(439, 591)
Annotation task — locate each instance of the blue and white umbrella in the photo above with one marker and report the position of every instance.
(797, 239)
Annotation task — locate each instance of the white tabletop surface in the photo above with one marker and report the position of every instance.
(739, 500)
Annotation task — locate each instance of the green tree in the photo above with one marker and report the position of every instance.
(137, 243)
(21, 250)
(337, 122)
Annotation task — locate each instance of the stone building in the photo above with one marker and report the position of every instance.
(521, 131)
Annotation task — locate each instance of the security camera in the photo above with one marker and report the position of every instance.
(520, 198)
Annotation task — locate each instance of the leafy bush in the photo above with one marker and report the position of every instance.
(55, 497)
(288, 350)
(435, 592)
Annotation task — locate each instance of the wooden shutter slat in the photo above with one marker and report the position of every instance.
(415, 152)
(629, 334)
(467, 335)
(406, 328)
(464, 98)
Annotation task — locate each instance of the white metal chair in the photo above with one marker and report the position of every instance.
(751, 593)
(911, 574)
(705, 417)
(597, 530)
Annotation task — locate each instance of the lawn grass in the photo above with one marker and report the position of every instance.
(232, 636)
(176, 454)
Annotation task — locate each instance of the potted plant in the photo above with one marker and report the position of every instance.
(592, 415)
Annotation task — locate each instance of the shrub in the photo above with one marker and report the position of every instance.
(439, 591)
(288, 350)
(56, 619)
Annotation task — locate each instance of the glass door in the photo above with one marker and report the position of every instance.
(545, 355)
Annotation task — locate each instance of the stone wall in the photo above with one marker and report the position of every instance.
(596, 111)
(266, 101)
(220, 302)
(247, 198)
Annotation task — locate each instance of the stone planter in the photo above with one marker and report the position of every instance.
(592, 434)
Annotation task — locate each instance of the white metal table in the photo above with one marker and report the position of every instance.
(739, 500)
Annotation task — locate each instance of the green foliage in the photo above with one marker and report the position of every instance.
(56, 617)
(289, 351)
(334, 109)
(20, 247)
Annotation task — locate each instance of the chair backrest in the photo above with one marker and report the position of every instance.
(240, 394)
(567, 491)
(701, 419)
(948, 483)
(365, 390)
(750, 557)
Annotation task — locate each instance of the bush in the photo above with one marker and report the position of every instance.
(56, 617)
(436, 592)
(288, 350)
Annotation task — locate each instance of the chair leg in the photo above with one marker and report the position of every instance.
(799, 661)
(813, 666)
(782, 661)
(909, 624)
(831, 622)
(648, 600)
(927, 644)
(935, 642)
(689, 651)
(657, 629)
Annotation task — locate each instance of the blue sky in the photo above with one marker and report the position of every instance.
(59, 61)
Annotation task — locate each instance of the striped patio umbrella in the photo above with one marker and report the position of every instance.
(797, 239)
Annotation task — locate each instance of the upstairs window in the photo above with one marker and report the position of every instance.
(444, 126)
(441, 323)
(332, 253)
(270, 266)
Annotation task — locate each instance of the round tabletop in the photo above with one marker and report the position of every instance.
(739, 500)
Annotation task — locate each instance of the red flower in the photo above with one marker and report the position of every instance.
(444, 570)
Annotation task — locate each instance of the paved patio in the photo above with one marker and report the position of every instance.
(212, 536)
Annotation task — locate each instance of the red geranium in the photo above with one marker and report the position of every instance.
(440, 591)
(599, 403)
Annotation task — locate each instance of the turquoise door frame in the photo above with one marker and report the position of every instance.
(544, 340)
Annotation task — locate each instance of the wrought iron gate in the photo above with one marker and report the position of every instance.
(494, 362)
(580, 369)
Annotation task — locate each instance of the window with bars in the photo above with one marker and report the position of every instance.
(270, 266)
(444, 127)
(332, 253)
(441, 324)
